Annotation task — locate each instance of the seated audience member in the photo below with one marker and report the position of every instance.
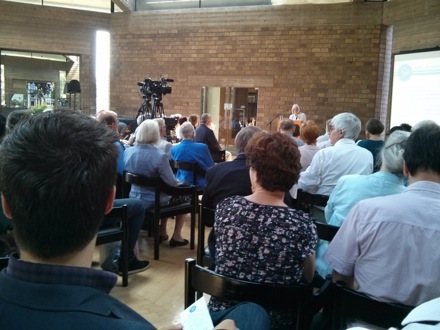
(345, 157)
(189, 151)
(204, 134)
(135, 210)
(56, 214)
(309, 133)
(288, 127)
(427, 122)
(147, 160)
(326, 135)
(374, 142)
(194, 120)
(180, 121)
(388, 246)
(351, 189)
(296, 135)
(163, 143)
(228, 178)
(297, 114)
(259, 238)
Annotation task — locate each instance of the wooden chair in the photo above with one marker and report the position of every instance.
(206, 217)
(300, 297)
(158, 211)
(189, 166)
(355, 305)
(114, 228)
(326, 231)
(218, 156)
(307, 200)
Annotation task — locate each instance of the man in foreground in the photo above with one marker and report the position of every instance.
(57, 174)
(388, 246)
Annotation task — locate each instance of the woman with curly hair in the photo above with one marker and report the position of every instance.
(259, 238)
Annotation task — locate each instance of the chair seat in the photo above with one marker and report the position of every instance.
(167, 211)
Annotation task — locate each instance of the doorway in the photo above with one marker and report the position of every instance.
(231, 109)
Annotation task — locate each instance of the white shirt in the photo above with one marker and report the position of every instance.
(301, 116)
(329, 164)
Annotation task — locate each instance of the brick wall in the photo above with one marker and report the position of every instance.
(326, 58)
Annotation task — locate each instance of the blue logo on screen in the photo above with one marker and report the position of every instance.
(192, 309)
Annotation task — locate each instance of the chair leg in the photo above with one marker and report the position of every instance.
(156, 235)
(124, 252)
(193, 230)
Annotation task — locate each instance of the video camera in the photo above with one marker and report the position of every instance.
(150, 87)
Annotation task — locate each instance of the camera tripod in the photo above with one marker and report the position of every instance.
(148, 112)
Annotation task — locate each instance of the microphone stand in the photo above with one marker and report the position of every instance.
(269, 123)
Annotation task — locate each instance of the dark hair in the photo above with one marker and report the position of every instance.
(309, 132)
(193, 119)
(276, 159)
(374, 126)
(423, 149)
(57, 171)
(182, 120)
(296, 130)
(406, 127)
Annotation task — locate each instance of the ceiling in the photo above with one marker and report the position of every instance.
(105, 7)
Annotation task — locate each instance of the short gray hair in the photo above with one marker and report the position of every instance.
(187, 130)
(347, 122)
(160, 122)
(148, 132)
(205, 117)
(391, 156)
(244, 135)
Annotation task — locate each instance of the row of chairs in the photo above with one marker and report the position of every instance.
(344, 304)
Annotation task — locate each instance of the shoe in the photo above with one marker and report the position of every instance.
(163, 238)
(174, 243)
(135, 266)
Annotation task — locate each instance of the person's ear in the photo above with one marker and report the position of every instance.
(6, 209)
(110, 200)
(405, 170)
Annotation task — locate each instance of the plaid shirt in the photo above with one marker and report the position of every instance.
(57, 274)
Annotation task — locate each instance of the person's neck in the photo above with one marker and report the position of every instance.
(375, 137)
(265, 197)
(424, 176)
(78, 259)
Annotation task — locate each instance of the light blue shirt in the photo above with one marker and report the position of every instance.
(349, 190)
(146, 160)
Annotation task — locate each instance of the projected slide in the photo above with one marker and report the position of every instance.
(416, 88)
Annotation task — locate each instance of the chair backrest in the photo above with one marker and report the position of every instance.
(218, 156)
(355, 305)
(326, 231)
(158, 184)
(306, 200)
(199, 279)
(196, 170)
